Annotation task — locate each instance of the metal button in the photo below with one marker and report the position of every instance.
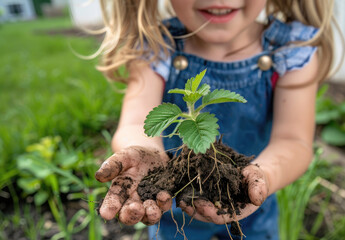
(265, 62)
(180, 62)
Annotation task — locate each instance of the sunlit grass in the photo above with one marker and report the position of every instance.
(46, 90)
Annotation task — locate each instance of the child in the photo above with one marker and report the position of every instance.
(275, 65)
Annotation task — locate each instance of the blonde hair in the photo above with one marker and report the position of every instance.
(134, 30)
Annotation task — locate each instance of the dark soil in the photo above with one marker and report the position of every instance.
(212, 176)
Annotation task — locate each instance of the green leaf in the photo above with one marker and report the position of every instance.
(222, 96)
(333, 135)
(197, 80)
(29, 185)
(160, 118)
(66, 159)
(199, 134)
(193, 83)
(32, 163)
(204, 89)
(322, 90)
(189, 84)
(40, 197)
(180, 91)
(325, 117)
(192, 98)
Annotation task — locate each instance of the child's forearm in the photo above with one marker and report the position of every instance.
(284, 161)
(133, 135)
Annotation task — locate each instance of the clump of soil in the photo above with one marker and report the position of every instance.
(215, 176)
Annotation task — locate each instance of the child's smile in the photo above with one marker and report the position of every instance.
(219, 14)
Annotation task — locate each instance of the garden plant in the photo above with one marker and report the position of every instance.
(203, 167)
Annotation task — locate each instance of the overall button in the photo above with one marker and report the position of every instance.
(180, 62)
(265, 62)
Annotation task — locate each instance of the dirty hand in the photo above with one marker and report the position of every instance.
(126, 169)
(257, 190)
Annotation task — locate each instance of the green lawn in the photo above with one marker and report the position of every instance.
(56, 113)
(46, 90)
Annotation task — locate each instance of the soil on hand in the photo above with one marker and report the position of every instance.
(215, 176)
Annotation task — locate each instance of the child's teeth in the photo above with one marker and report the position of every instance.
(219, 11)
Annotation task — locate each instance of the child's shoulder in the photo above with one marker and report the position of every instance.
(281, 39)
(281, 34)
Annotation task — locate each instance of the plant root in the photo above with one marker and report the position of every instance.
(189, 176)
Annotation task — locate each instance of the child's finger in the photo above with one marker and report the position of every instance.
(257, 187)
(113, 166)
(152, 212)
(116, 196)
(187, 209)
(164, 201)
(132, 212)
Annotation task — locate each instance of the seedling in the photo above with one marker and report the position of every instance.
(204, 168)
(198, 130)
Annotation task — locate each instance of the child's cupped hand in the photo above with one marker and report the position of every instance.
(126, 169)
(206, 211)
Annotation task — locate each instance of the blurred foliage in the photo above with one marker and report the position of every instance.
(44, 169)
(295, 199)
(58, 114)
(46, 90)
(331, 115)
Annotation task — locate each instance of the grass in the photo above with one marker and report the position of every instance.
(45, 90)
(298, 218)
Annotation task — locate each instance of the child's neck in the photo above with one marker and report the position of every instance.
(244, 46)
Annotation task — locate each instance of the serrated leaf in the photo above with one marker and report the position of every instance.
(204, 89)
(189, 84)
(221, 96)
(199, 134)
(192, 98)
(197, 80)
(180, 91)
(160, 118)
(193, 83)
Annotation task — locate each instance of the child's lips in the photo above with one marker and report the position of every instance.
(218, 15)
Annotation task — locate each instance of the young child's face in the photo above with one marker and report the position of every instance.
(228, 18)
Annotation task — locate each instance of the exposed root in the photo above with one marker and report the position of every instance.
(227, 229)
(184, 186)
(158, 227)
(235, 216)
(219, 168)
(177, 228)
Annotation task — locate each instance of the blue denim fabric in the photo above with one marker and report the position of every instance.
(245, 127)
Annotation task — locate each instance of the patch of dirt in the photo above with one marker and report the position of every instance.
(215, 176)
(38, 222)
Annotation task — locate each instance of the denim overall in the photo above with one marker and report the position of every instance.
(245, 127)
